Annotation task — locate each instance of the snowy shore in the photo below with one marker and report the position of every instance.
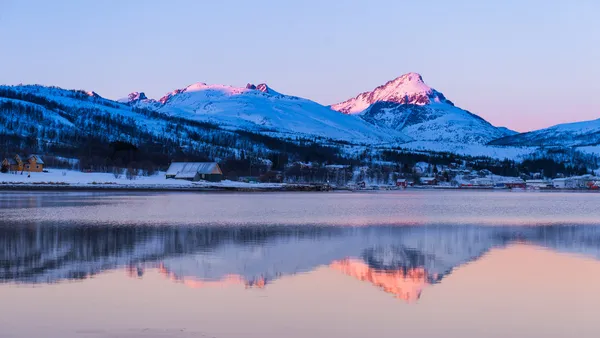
(56, 179)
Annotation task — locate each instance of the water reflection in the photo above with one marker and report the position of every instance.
(401, 261)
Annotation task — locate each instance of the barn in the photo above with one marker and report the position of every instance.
(195, 171)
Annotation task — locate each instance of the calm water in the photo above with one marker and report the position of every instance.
(386, 264)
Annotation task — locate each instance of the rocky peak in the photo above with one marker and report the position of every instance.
(405, 89)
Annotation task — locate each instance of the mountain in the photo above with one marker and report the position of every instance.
(86, 126)
(408, 105)
(218, 122)
(578, 134)
(259, 108)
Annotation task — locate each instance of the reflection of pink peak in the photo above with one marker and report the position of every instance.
(226, 280)
(405, 285)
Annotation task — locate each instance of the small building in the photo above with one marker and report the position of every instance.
(34, 163)
(482, 182)
(563, 183)
(515, 185)
(401, 183)
(538, 184)
(429, 181)
(195, 171)
(12, 164)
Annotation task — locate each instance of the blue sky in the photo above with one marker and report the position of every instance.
(522, 64)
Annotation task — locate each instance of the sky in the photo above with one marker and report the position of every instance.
(521, 64)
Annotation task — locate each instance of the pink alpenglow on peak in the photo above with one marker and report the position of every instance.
(406, 89)
(261, 87)
(133, 98)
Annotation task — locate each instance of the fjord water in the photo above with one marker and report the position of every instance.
(382, 264)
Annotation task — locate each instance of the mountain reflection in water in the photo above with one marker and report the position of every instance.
(401, 261)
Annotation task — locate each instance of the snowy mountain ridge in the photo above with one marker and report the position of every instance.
(575, 134)
(405, 113)
(259, 108)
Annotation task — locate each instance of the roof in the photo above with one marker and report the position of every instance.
(190, 169)
(38, 158)
(10, 161)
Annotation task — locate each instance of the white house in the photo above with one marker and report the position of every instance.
(195, 171)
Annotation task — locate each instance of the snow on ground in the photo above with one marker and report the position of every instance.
(73, 177)
(592, 150)
(78, 178)
(513, 153)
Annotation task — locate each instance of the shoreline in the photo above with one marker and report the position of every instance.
(248, 189)
(154, 188)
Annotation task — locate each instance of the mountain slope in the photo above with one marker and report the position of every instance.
(408, 105)
(80, 124)
(586, 133)
(261, 109)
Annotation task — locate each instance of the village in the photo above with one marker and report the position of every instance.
(33, 170)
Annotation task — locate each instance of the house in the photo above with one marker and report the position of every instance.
(33, 163)
(13, 164)
(195, 171)
(563, 183)
(429, 181)
(515, 185)
(538, 184)
(401, 183)
(482, 182)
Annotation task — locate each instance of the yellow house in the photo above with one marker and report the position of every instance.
(34, 163)
(12, 164)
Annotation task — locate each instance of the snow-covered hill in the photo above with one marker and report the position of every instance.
(408, 105)
(77, 123)
(262, 109)
(586, 133)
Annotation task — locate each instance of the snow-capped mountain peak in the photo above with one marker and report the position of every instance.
(133, 97)
(408, 105)
(405, 89)
(263, 87)
(92, 94)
